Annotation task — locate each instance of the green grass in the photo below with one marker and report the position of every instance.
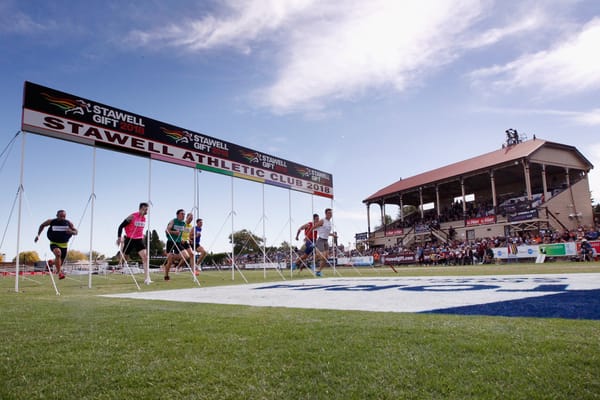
(82, 346)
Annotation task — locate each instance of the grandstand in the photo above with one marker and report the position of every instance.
(527, 186)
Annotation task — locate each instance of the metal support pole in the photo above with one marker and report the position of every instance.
(20, 209)
(92, 219)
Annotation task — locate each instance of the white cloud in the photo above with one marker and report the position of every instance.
(571, 66)
(585, 118)
(14, 21)
(367, 45)
(591, 118)
(243, 23)
(529, 22)
(329, 49)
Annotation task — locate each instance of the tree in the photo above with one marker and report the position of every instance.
(407, 210)
(27, 257)
(76, 255)
(157, 246)
(95, 256)
(285, 247)
(271, 249)
(387, 221)
(215, 259)
(245, 242)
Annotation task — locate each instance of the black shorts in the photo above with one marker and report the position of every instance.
(133, 246)
(172, 247)
(63, 251)
(184, 245)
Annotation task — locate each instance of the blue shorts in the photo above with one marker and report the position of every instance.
(308, 247)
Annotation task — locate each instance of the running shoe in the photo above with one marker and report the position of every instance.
(167, 278)
(148, 281)
(61, 276)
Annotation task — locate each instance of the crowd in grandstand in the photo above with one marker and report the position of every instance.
(507, 204)
(462, 252)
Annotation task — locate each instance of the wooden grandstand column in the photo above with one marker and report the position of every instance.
(493, 184)
(462, 191)
(401, 210)
(567, 179)
(545, 184)
(383, 221)
(369, 219)
(421, 201)
(437, 201)
(527, 179)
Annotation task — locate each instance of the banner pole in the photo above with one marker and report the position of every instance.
(314, 253)
(148, 215)
(334, 242)
(20, 212)
(264, 244)
(290, 223)
(192, 233)
(232, 237)
(92, 218)
(197, 208)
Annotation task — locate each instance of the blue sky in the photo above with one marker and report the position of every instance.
(368, 91)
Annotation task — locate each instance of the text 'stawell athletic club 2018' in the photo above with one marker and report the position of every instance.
(61, 115)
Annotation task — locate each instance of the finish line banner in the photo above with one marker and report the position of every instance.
(64, 116)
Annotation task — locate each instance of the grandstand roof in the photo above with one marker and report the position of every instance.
(504, 156)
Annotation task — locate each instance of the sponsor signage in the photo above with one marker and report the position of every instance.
(420, 228)
(566, 249)
(394, 232)
(361, 236)
(559, 249)
(522, 216)
(595, 246)
(406, 257)
(61, 115)
(513, 251)
(358, 261)
(490, 219)
(279, 265)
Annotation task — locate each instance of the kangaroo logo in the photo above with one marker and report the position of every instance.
(69, 106)
(304, 172)
(178, 136)
(251, 156)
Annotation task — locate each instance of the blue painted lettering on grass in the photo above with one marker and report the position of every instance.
(279, 286)
(449, 288)
(300, 287)
(575, 304)
(540, 288)
(364, 288)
